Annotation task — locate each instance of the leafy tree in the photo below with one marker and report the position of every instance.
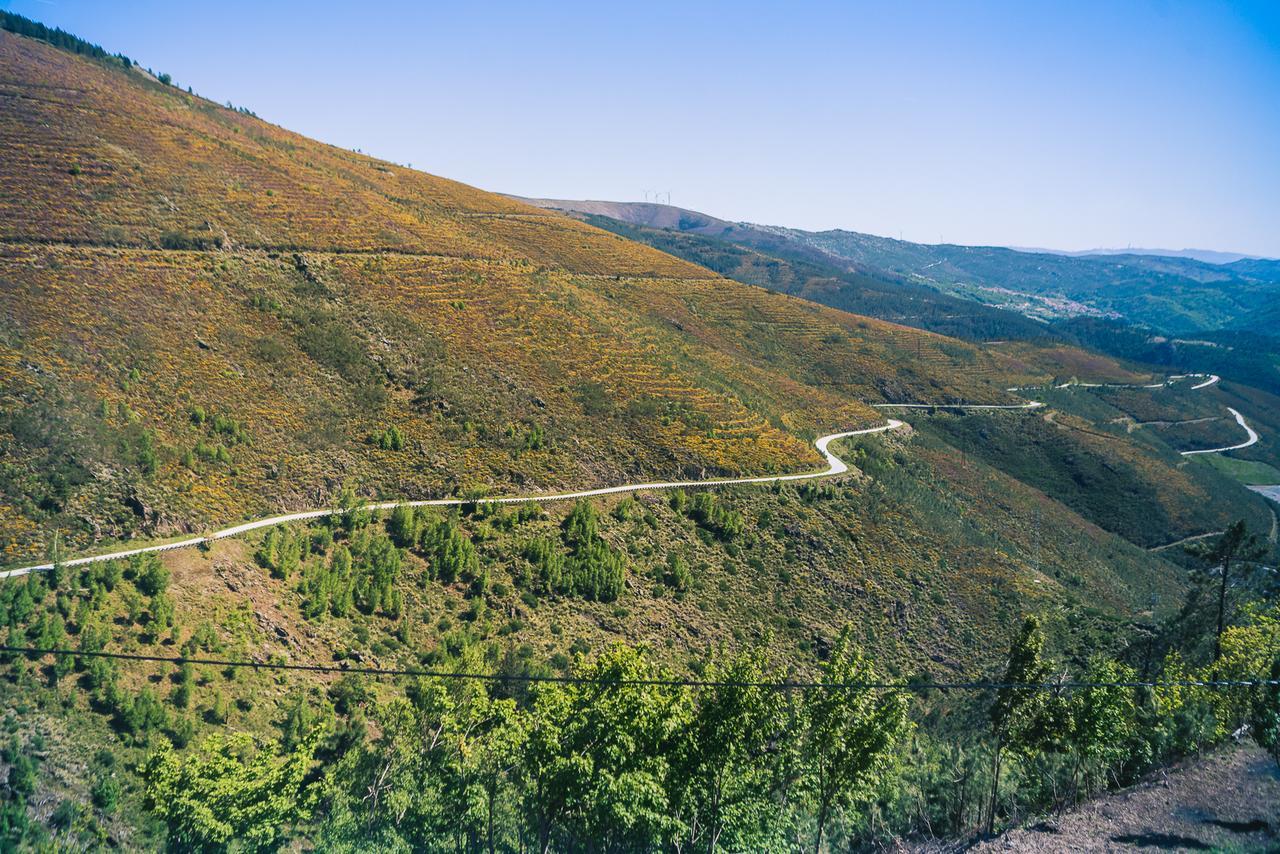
(404, 526)
(727, 766)
(105, 792)
(229, 789)
(1235, 545)
(376, 572)
(594, 570)
(433, 779)
(350, 513)
(1016, 711)
(151, 577)
(143, 715)
(595, 761)
(549, 564)
(1266, 712)
(715, 517)
(851, 734)
(1102, 719)
(677, 575)
(581, 527)
(57, 571)
(22, 770)
(449, 551)
(181, 695)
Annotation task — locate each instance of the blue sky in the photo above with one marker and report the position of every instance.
(1068, 125)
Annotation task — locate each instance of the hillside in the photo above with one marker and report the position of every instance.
(307, 300)
(248, 322)
(1172, 294)
(206, 319)
(790, 270)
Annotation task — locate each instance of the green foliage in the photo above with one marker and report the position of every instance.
(15, 23)
(1235, 545)
(281, 552)
(708, 512)
(350, 513)
(1018, 714)
(376, 570)
(677, 575)
(622, 735)
(449, 551)
(229, 790)
(1102, 722)
(728, 772)
(591, 569)
(1266, 712)
(143, 716)
(405, 526)
(390, 439)
(851, 735)
(328, 587)
(434, 775)
(150, 575)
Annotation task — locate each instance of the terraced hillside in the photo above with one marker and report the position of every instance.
(1176, 295)
(207, 317)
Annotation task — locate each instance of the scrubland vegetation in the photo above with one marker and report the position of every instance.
(206, 318)
(631, 749)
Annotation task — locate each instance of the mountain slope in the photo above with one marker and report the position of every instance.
(204, 318)
(243, 315)
(788, 270)
(1176, 295)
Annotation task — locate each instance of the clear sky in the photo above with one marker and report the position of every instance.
(1070, 125)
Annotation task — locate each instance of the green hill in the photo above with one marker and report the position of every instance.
(1174, 295)
(206, 319)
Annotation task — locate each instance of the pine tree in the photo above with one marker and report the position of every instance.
(1235, 545)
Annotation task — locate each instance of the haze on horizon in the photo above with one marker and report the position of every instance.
(1006, 124)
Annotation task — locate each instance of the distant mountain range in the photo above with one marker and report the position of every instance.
(1208, 256)
(1177, 293)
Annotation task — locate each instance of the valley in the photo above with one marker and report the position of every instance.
(347, 507)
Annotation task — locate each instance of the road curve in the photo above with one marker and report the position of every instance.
(1252, 437)
(1034, 404)
(1209, 379)
(835, 466)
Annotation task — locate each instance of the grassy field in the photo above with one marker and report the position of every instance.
(1250, 472)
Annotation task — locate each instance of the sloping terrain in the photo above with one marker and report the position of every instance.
(243, 317)
(1227, 801)
(205, 319)
(1176, 295)
(790, 270)
(246, 322)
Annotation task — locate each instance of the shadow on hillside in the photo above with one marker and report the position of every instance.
(1161, 840)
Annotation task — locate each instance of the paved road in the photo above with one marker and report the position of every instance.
(1034, 404)
(835, 466)
(1252, 437)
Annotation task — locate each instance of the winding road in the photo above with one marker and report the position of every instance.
(835, 466)
(1252, 437)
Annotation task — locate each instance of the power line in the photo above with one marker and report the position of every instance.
(673, 683)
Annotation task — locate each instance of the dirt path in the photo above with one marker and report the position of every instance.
(1229, 800)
